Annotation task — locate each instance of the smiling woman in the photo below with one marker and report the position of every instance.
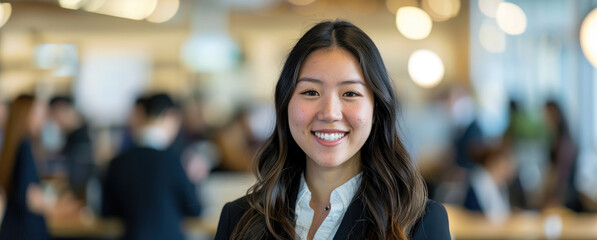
(334, 167)
(330, 112)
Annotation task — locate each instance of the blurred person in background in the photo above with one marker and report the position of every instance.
(489, 180)
(450, 175)
(335, 166)
(194, 127)
(524, 133)
(147, 186)
(468, 133)
(200, 154)
(19, 181)
(467, 139)
(237, 143)
(559, 187)
(77, 150)
(135, 123)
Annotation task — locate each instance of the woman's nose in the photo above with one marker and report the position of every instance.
(330, 109)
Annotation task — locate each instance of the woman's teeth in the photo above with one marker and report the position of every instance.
(330, 136)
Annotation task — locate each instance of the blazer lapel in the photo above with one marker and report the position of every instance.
(354, 221)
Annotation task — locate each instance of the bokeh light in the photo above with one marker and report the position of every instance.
(301, 2)
(553, 226)
(131, 9)
(5, 12)
(489, 7)
(94, 5)
(413, 23)
(165, 10)
(491, 37)
(441, 10)
(425, 68)
(70, 4)
(588, 37)
(511, 18)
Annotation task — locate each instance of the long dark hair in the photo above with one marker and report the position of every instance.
(392, 190)
(15, 131)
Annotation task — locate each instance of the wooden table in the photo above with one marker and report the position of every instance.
(463, 225)
(92, 227)
(549, 224)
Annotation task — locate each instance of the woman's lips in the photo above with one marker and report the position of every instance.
(329, 137)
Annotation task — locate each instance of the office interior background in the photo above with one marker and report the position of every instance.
(478, 82)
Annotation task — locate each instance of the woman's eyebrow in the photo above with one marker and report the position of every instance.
(308, 79)
(348, 82)
(317, 81)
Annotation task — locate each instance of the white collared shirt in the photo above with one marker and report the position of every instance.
(339, 201)
(492, 198)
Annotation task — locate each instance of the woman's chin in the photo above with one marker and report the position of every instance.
(330, 162)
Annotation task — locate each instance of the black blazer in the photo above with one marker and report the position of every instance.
(150, 191)
(433, 225)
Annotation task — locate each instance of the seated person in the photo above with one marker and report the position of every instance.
(489, 180)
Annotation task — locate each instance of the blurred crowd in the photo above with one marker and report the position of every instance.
(148, 176)
(54, 162)
(532, 166)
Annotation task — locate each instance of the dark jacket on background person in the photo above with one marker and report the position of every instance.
(19, 222)
(432, 226)
(78, 154)
(150, 191)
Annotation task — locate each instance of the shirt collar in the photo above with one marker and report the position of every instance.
(342, 194)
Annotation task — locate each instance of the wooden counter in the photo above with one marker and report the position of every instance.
(557, 223)
(550, 224)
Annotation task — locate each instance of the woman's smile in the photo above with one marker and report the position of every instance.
(331, 110)
(329, 138)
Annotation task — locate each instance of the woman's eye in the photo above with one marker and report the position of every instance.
(351, 94)
(309, 93)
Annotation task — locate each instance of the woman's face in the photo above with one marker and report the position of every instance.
(330, 112)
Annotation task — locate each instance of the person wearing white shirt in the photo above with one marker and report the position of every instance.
(334, 167)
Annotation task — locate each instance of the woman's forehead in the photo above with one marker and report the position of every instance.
(331, 64)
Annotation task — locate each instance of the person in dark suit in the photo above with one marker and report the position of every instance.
(334, 167)
(147, 186)
(77, 150)
(19, 181)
